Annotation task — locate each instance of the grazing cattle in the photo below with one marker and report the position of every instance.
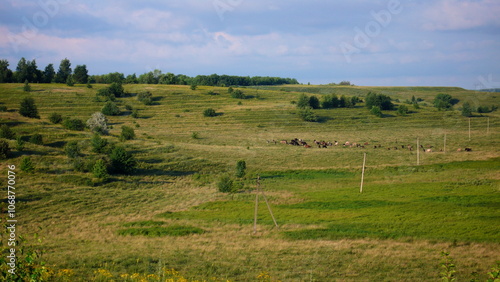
(468, 149)
(366, 144)
(459, 150)
(428, 150)
(336, 143)
(307, 146)
(410, 147)
(284, 142)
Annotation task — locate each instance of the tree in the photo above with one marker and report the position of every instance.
(27, 165)
(99, 145)
(37, 139)
(443, 101)
(122, 161)
(74, 124)
(6, 132)
(98, 123)
(467, 110)
(110, 109)
(307, 114)
(100, 170)
(240, 168)
(72, 149)
(4, 149)
(238, 94)
(55, 118)
(403, 110)
(127, 133)
(209, 112)
(226, 185)
(28, 108)
(22, 71)
(26, 87)
(303, 101)
(330, 101)
(49, 73)
(375, 110)
(314, 102)
(70, 81)
(64, 71)
(384, 102)
(80, 74)
(116, 89)
(6, 74)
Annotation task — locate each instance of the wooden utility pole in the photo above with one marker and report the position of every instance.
(363, 173)
(418, 151)
(469, 129)
(257, 205)
(488, 127)
(444, 146)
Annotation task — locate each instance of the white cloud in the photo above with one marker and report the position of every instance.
(461, 14)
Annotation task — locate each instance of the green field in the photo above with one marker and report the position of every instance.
(169, 214)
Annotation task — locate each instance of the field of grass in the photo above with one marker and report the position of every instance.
(169, 214)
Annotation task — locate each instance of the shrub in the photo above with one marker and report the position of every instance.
(195, 135)
(135, 113)
(116, 89)
(375, 110)
(4, 149)
(467, 110)
(74, 124)
(98, 123)
(72, 149)
(230, 90)
(379, 100)
(209, 112)
(104, 92)
(98, 144)
(70, 81)
(28, 108)
(127, 133)
(55, 118)
(303, 101)
(6, 132)
(19, 144)
(238, 94)
(36, 139)
(307, 114)
(240, 168)
(110, 109)
(26, 87)
(314, 102)
(122, 161)
(193, 87)
(128, 107)
(225, 185)
(100, 170)
(330, 101)
(145, 97)
(403, 110)
(444, 101)
(27, 165)
(3, 108)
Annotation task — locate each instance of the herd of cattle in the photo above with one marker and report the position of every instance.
(325, 144)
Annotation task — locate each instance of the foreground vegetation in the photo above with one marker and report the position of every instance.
(166, 211)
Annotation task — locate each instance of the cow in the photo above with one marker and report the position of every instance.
(468, 149)
(428, 151)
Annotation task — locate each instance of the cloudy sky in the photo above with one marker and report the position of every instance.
(368, 42)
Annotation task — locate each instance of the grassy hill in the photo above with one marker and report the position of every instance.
(169, 214)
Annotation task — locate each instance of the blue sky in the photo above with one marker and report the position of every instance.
(386, 42)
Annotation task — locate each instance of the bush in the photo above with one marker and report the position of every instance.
(4, 149)
(19, 144)
(241, 166)
(6, 132)
(307, 114)
(55, 118)
(383, 102)
(145, 97)
(467, 110)
(330, 101)
(100, 170)
(27, 165)
(98, 123)
(36, 139)
(28, 108)
(74, 124)
(72, 149)
(110, 109)
(122, 161)
(303, 101)
(314, 102)
(26, 87)
(230, 90)
(375, 110)
(226, 185)
(209, 112)
(403, 110)
(3, 108)
(238, 94)
(135, 113)
(70, 81)
(104, 92)
(99, 145)
(127, 133)
(193, 87)
(116, 89)
(444, 101)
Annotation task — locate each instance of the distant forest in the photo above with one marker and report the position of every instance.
(27, 71)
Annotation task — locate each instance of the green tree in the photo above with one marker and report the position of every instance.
(27, 165)
(100, 170)
(6, 132)
(64, 71)
(80, 74)
(99, 144)
(70, 81)
(72, 149)
(226, 185)
(4, 149)
(209, 112)
(330, 101)
(314, 102)
(55, 118)
(37, 139)
(74, 124)
(238, 94)
(26, 87)
(28, 108)
(467, 110)
(303, 101)
(241, 167)
(6, 74)
(307, 114)
(110, 109)
(22, 70)
(375, 110)
(19, 144)
(49, 73)
(403, 110)
(127, 133)
(384, 102)
(443, 101)
(116, 88)
(122, 161)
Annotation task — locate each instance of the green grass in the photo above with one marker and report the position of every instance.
(393, 231)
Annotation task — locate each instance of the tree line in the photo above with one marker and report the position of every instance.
(27, 71)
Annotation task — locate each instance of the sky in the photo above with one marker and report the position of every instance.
(366, 42)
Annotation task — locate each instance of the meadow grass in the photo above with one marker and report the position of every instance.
(395, 230)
